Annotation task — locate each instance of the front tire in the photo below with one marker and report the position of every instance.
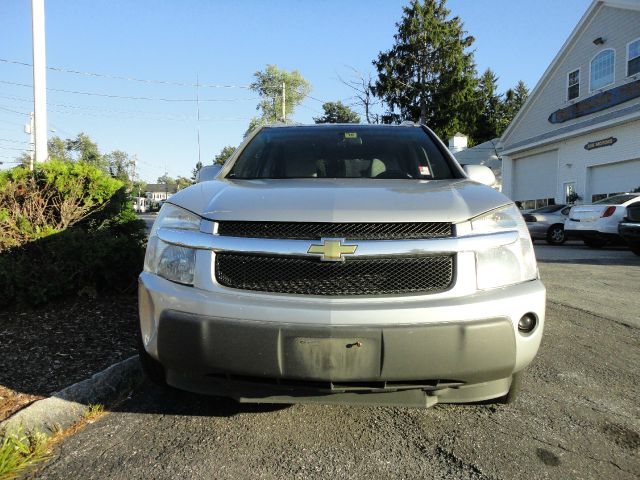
(556, 235)
(514, 390)
(150, 366)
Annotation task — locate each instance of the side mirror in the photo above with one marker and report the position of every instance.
(208, 172)
(480, 174)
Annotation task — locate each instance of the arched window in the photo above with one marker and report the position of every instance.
(602, 67)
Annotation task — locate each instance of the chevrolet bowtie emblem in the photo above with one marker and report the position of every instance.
(332, 250)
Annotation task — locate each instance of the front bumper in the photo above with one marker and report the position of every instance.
(279, 348)
(538, 229)
(630, 232)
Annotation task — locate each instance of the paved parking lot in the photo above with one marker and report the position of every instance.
(578, 416)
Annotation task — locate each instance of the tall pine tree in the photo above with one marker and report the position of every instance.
(513, 101)
(429, 73)
(488, 124)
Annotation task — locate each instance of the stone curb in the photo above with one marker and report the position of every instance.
(66, 407)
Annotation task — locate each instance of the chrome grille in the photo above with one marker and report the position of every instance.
(349, 231)
(355, 276)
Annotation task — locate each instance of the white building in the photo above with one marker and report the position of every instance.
(156, 192)
(579, 131)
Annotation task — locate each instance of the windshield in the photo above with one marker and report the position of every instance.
(343, 151)
(617, 199)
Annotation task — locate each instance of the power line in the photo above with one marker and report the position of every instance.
(19, 149)
(123, 77)
(12, 141)
(148, 114)
(107, 95)
(12, 111)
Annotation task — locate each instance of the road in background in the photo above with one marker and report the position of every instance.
(148, 218)
(578, 415)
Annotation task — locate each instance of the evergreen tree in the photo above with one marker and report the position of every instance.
(429, 73)
(513, 101)
(490, 109)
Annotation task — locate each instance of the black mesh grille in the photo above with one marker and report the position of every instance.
(310, 276)
(351, 231)
(633, 213)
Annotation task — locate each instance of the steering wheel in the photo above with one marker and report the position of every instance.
(393, 174)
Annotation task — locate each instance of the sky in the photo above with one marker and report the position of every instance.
(220, 44)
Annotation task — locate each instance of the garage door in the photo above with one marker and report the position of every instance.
(535, 176)
(614, 177)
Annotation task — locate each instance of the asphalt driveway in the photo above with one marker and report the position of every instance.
(578, 417)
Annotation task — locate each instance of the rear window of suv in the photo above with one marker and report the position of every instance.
(343, 151)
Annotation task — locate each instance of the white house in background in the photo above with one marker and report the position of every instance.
(156, 192)
(487, 153)
(579, 130)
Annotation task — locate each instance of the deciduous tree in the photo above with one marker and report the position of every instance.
(337, 112)
(224, 154)
(275, 86)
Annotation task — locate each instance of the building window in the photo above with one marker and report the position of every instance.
(537, 203)
(602, 69)
(633, 57)
(573, 85)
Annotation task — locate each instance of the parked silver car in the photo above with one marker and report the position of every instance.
(547, 223)
(341, 263)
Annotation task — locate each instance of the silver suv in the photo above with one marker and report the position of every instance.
(341, 263)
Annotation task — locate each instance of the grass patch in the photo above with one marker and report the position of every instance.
(92, 412)
(19, 451)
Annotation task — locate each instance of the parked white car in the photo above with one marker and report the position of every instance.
(597, 224)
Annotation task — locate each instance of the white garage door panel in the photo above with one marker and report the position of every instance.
(535, 176)
(615, 177)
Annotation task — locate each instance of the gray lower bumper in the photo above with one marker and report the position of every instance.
(328, 356)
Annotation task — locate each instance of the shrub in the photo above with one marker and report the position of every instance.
(71, 262)
(54, 197)
(66, 229)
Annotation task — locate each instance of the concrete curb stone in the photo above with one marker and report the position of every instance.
(66, 407)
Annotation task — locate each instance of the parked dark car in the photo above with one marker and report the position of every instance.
(629, 228)
(547, 223)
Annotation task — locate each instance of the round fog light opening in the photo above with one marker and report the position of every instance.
(527, 323)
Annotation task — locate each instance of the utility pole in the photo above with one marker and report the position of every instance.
(198, 107)
(30, 129)
(39, 80)
(284, 103)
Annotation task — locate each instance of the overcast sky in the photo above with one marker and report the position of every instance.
(222, 43)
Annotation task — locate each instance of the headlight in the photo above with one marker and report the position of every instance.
(507, 264)
(172, 262)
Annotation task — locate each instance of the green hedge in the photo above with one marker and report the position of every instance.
(102, 251)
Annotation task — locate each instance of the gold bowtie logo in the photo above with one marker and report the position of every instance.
(332, 250)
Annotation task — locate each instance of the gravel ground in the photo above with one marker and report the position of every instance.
(46, 349)
(578, 417)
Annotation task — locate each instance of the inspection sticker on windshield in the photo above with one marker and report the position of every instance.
(350, 135)
(424, 170)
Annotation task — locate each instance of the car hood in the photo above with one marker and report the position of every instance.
(339, 200)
